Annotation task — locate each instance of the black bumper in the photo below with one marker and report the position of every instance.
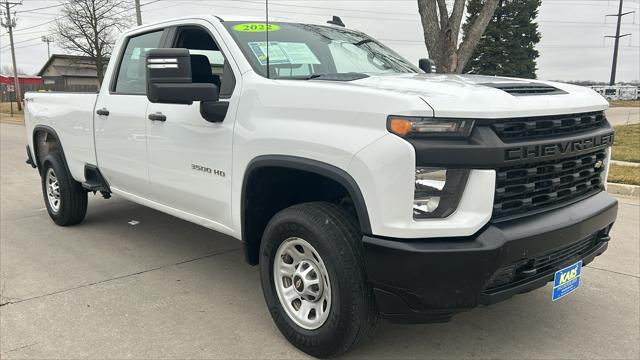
(429, 280)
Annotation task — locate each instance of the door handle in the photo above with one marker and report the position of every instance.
(103, 112)
(157, 117)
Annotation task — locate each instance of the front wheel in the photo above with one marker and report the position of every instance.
(65, 199)
(313, 279)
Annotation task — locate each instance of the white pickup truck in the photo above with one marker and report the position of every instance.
(363, 186)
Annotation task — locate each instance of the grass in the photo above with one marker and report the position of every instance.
(629, 175)
(5, 108)
(627, 143)
(5, 114)
(625, 103)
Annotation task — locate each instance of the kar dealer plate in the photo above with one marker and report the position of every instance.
(566, 280)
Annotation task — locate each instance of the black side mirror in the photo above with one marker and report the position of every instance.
(214, 111)
(169, 79)
(427, 65)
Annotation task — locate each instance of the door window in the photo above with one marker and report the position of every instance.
(132, 75)
(208, 63)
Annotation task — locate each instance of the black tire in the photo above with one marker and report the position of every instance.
(72, 206)
(334, 234)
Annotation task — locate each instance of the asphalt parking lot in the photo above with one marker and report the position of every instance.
(165, 288)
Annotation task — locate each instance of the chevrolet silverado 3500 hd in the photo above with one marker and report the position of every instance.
(362, 186)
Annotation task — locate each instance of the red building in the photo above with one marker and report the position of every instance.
(24, 79)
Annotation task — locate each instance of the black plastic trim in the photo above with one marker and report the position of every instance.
(94, 181)
(425, 280)
(53, 133)
(30, 160)
(312, 166)
(526, 89)
(485, 150)
(172, 39)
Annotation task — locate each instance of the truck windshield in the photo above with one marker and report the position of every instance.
(303, 51)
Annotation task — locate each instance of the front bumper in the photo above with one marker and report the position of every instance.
(429, 280)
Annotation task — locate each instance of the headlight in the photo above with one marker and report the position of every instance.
(408, 126)
(438, 191)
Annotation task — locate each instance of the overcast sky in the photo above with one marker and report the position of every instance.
(573, 46)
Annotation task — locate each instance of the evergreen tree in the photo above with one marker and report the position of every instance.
(507, 47)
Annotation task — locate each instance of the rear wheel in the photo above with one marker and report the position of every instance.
(65, 199)
(313, 279)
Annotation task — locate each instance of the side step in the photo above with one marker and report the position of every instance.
(95, 181)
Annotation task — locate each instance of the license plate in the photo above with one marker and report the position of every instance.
(566, 280)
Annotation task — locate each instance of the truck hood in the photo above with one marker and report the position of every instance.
(475, 96)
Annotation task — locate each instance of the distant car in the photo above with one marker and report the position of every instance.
(362, 186)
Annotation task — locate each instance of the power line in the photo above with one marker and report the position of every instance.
(22, 41)
(48, 40)
(10, 23)
(617, 36)
(56, 18)
(40, 8)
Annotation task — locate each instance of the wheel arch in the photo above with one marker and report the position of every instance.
(251, 239)
(42, 146)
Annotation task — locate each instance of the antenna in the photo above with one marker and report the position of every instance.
(336, 21)
(266, 3)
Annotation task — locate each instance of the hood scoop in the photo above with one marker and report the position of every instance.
(525, 89)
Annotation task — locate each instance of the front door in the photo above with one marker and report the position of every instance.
(190, 158)
(121, 121)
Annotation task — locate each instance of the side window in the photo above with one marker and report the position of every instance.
(208, 64)
(132, 76)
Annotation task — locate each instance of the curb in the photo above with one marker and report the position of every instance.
(624, 163)
(623, 189)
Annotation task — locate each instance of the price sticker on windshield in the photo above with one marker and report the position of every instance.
(255, 27)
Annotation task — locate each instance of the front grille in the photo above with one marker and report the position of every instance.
(533, 187)
(527, 269)
(547, 126)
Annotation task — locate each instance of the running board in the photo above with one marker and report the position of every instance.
(95, 181)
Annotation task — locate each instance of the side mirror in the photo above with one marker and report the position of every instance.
(169, 79)
(427, 65)
(214, 111)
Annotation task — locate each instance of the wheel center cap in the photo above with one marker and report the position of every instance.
(298, 283)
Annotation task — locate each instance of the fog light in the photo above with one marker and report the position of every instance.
(438, 191)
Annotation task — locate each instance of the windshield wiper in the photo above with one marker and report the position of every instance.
(314, 76)
(350, 76)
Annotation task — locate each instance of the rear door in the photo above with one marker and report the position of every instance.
(190, 158)
(121, 121)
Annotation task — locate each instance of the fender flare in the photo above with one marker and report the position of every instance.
(312, 166)
(53, 133)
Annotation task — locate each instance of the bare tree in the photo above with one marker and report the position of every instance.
(8, 69)
(89, 27)
(442, 30)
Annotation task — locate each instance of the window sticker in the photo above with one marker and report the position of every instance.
(299, 53)
(283, 53)
(276, 55)
(255, 27)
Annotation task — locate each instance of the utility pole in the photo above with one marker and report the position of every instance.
(10, 23)
(138, 13)
(617, 36)
(48, 39)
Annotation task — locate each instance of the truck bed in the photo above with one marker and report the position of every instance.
(70, 115)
